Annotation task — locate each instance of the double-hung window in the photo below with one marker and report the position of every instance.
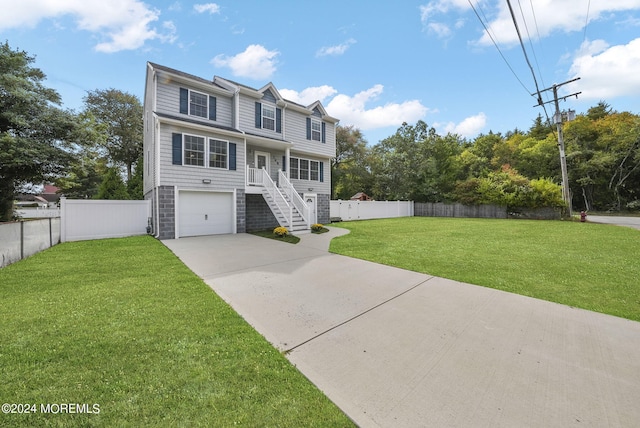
(314, 170)
(316, 130)
(218, 153)
(194, 150)
(268, 117)
(293, 168)
(198, 104)
(304, 169)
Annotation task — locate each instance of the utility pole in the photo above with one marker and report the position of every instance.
(557, 119)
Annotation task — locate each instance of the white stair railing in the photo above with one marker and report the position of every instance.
(285, 209)
(294, 197)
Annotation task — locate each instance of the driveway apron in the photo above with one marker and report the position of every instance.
(395, 348)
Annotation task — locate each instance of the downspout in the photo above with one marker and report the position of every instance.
(156, 139)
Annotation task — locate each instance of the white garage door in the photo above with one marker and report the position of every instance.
(205, 213)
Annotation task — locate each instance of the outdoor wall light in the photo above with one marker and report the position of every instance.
(206, 181)
(311, 189)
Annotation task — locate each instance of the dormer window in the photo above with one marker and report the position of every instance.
(268, 117)
(316, 130)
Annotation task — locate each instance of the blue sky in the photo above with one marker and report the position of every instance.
(373, 64)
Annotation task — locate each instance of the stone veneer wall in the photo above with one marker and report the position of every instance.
(258, 214)
(241, 211)
(167, 212)
(324, 209)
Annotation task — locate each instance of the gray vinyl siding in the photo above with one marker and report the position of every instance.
(168, 102)
(296, 131)
(248, 118)
(191, 176)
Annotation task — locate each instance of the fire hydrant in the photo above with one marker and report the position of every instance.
(583, 216)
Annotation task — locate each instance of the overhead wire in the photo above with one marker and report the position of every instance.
(526, 57)
(586, 22)
(497, 47)
(535, 57)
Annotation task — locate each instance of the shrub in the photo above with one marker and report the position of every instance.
(280, 231)
(317, 227)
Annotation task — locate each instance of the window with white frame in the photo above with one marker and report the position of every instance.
(314, 171)
(198, 104)
(218, 153)
(304, 169)
(194, 150)
(316, 130)
(268, 117)
(293, 168)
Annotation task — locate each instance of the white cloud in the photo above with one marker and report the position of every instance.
(439, 29)
(606, 71)
(308, 95)
(469, 127)
(353, 110)
(256, 62)
(335, 50)
(122, 24)
(212, 8)
(552, 16)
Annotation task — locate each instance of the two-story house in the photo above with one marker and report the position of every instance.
(222, 157)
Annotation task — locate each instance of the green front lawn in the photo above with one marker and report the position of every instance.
(585, 265)
(122, 323)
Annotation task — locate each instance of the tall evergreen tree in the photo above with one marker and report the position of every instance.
(32, 129)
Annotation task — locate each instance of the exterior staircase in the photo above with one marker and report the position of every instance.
(287, 215)
(285, 203)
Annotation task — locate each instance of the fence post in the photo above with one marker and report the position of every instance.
(63, 216)
(21, 239)
(50, 234)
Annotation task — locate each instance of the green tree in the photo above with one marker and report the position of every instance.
(112, 186)
(135, 185)
(120, 113)
(33, 130)
(540, 130)
(351, 172)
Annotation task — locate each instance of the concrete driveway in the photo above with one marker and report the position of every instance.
(394, 348)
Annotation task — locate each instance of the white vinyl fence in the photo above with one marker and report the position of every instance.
(84, 219)
(367, 210)
(22, 239)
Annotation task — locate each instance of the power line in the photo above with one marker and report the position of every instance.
(535, 57)
(526, 57)
(497, 47)
(586, 22)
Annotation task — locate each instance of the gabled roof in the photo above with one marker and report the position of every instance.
(187, 76)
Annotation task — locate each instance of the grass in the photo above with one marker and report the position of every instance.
(585, 265)
(122, 323)
(291, 239)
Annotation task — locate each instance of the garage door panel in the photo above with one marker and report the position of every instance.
(205, 213)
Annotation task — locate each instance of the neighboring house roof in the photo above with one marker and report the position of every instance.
(51, 193)
(360, 196)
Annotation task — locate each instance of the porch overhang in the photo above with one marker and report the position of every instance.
(266, 142)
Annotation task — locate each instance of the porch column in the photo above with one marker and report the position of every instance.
(287, 152)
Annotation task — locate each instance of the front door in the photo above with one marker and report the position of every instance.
(262, 161)
(312, 202)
